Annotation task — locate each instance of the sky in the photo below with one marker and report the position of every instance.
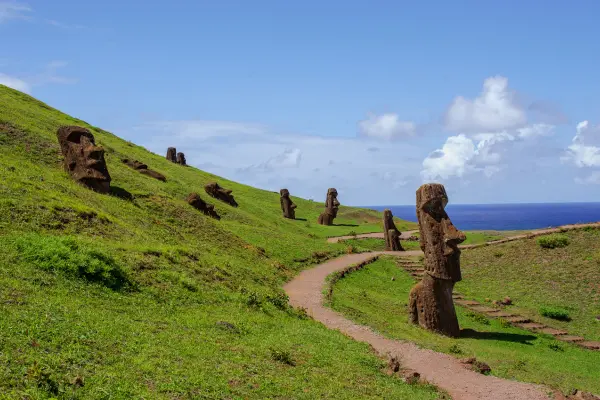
(499, 101)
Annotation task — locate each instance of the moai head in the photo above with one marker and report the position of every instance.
(135, 164)
(83, 159)
(388, 219)
(287, 205)
(172, 154)
(196, 201)
(181, 159)
(439, 238)
(331, 203)
(216, 191)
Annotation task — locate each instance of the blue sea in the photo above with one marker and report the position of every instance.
(509, 216)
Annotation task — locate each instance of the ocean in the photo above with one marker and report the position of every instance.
(509, 216)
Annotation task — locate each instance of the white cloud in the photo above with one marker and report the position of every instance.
(289, 158)
(583, 151)
(386, 126)
(451, 160)
(15, 83)
(494, 110)
(13, 10)
(199, 129)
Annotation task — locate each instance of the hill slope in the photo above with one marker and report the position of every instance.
(137, 294)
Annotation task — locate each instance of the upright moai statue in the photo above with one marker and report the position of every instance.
(181, 159)
(83, 159)
(287, 205)
(331, 208)
(430, 301)
(172, 154)
(390, 232)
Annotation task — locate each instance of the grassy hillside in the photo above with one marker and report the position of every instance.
(138, 295)
(566, 277)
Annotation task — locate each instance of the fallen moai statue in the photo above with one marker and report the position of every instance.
(143, 169)
(287, 205)
(83, 159)
(331, 208)
(196, 201)
(216, 191)
(430, 301)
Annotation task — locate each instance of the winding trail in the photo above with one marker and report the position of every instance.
(376, 235)
(444, 371)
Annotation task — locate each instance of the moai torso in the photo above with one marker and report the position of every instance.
(172, 154)
(181, 159)
(287, 205)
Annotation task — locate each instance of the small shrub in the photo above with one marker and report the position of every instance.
(352, 233)
(253, 299)
(555, 313)
(67, 256)
(455, 349)
(498, 254)
(279, 300)
(504, 323)
(556, 347)
(553, 241)
(283, 356)
(482, 319)
(351, 249)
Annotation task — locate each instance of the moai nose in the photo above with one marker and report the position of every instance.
(451, 234)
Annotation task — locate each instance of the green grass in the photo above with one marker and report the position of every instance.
(555, 313)
(370, 297)
(142, 296)
(553, 241)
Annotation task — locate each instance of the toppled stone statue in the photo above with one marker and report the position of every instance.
(181, 159)
(83, 159)
(172, 154)
(143, 169)
(196, 201)
(430, 301)
(331, 208)
(390, 232)
(287, 205)
(216, 191)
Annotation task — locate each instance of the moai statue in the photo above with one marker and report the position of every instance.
(390, 232)
(181, 159)
(331, 208)
(216, 191)
(430, 301)
(287, 205)
(196, 201)
(143, 169)
(172, 154)
(83, 159)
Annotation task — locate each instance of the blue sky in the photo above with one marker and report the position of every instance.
(373, 98)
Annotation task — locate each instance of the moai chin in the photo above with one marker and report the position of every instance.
(430, 301)
(181, 159)
(331, 208)
(216, 191)
(83, 159)
(172, 154)
(287, 205)
(390, 232)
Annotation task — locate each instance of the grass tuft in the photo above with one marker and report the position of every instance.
(553, 241)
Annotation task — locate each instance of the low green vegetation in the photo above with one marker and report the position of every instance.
(136, 294)
(555, 313)
(371, 297)
(553, 241)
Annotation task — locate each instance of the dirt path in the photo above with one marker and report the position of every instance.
(377, 235)
(442, 370)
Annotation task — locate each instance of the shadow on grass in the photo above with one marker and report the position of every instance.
(121, 193)
(301, 219)
(344, 225)
(506, 337)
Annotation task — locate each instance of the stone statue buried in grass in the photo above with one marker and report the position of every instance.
(331, 208)
(430, 301)
(216, 191)
(287, 205)
(143, 169)
(390, 232)
(196, 201)
(83, 159)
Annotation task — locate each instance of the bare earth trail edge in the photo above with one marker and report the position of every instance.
(442, 370)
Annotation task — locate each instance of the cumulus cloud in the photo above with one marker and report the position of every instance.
(386, 126)
(13, 10)
(289, 158)
(15, 83)
(493, 110)
(583, 151)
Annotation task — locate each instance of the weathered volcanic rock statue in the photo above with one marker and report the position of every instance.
(287, 205)
(181, 159)
(83, 159)
(143, 169)
(172, 154)
(196, 201)
(430, 301)
(216, 191)
(331, 208)
(390, 232)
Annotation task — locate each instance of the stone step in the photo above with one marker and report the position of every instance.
(482, 309)
(500, 314)
(570, 338)
(590, 345)
(531, 326)
(553, 331)
(467, 303)
(517, 319)
(457, 296)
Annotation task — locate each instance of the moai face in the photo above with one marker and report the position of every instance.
(387, 217)
(83, 159)
(220, 193)
(332, 204)
(287, 206)
(439, 237)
